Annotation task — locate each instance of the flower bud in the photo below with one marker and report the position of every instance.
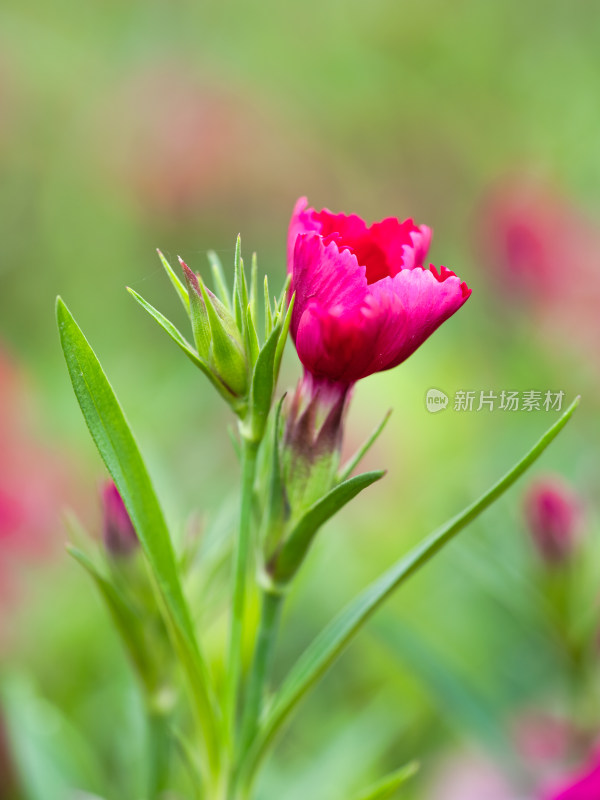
(119, 536)
(218, 339)
(553, 515)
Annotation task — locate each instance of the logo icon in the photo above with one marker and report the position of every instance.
(435, 400)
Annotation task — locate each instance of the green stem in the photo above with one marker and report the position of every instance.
(242, 551)
(265, 643)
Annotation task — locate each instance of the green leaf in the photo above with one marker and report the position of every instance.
(355, 460)
(220, 282)
(293, 551)
(187, 348)
(388, 786)
(117, 446)
(178, 285)
(334, 639)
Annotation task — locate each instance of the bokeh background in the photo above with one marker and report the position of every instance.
(126, 126)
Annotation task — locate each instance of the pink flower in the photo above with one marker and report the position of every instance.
(553, 515)
(34, 477)
(583, 786)
(120, 538)
(364, 300)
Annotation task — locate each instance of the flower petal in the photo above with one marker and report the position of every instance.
(384, 248)
(324, 273)
(337, 344)
(428, 299)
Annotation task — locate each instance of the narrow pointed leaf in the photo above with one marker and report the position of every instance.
(334, 639)
(253, 343)
(118, 448)
(225, 351)
(177, 284)
(355, 460)
(263, 384)
(187, 348)
(198, 313)
(280, 304)
(219, 280)
(268, 314)
(283, 338)
(294, 550)
(253, 299)
(388, 786)
(238, 293)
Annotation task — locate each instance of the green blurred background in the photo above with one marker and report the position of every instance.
(126, 126)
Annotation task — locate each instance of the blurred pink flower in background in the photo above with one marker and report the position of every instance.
(528, 233)
(542, 253)
(34, 480)
(183, 143)
(542, 739)
(553, 513)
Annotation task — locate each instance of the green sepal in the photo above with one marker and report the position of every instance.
(287, 561)
(219, 280)
(177, 284)
(283, 338)
(355, 460)
(252, 300)
(187, 348)
(268, 313)
(198, 313)
(240, 291)
(280, 304)
(253, 343)
(226, 351)
(387, 787)
(261, 390)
